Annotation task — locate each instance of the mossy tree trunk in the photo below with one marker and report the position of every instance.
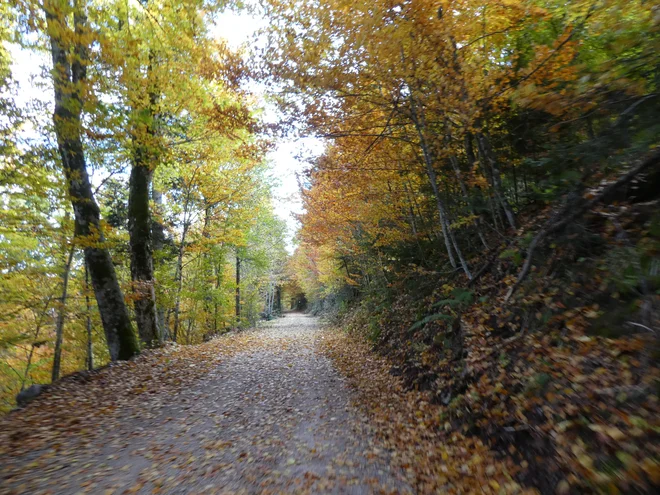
(142, 264)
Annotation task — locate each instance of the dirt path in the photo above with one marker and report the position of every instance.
(274, 419)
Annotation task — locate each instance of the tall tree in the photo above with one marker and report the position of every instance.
(144, 161)
(69, 47)
(143, 90)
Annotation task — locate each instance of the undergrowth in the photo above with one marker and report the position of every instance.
(563, 378)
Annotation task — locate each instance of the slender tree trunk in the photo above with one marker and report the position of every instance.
(432, 176)
(162, 323)
(413, 222)
(459, 253)
(216, 306)
(430, 173)
(415, 233)
(238, 289)
(495, 214)
(469, 151)
(35, 344)
(459, 176)
(409, 212)
(68, 77)
(190, 324)
(515, 185)
(488, 157)
(206, 266)
(158, 243)
(278, 300)
(88, 317)
(61, 315)
(420, 215)
(178, 277)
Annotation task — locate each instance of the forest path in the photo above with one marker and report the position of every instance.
(276, 418)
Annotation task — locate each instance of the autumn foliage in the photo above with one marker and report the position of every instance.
(484, 215)
(169, 187)
(485, 212)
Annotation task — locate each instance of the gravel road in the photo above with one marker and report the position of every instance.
(273, 419)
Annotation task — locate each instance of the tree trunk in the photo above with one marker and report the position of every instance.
(420, 214)
(485, 200)
(178, 277)
(158, 243)
(145, 159)
(178, 274)
(207, 266)
(459, 177)
(459, 253)
(68, 77)
(216, 306)
(238, 289)
(488, 157)
(142, 266)
(430, 173)
(278, 300)
(61, 315)
(432, 176)
(88, 307)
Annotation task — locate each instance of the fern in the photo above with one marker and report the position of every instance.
(429, 319)
(461, 297)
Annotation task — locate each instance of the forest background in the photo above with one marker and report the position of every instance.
(483, 207)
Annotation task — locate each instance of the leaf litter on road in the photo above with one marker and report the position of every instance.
(259, 412)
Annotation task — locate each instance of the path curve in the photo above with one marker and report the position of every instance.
(275, 419)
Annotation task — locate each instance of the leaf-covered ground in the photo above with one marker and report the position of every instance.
(557, 410)
(413, 429)
(257, 412)
(579, 430)
(291, 408)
